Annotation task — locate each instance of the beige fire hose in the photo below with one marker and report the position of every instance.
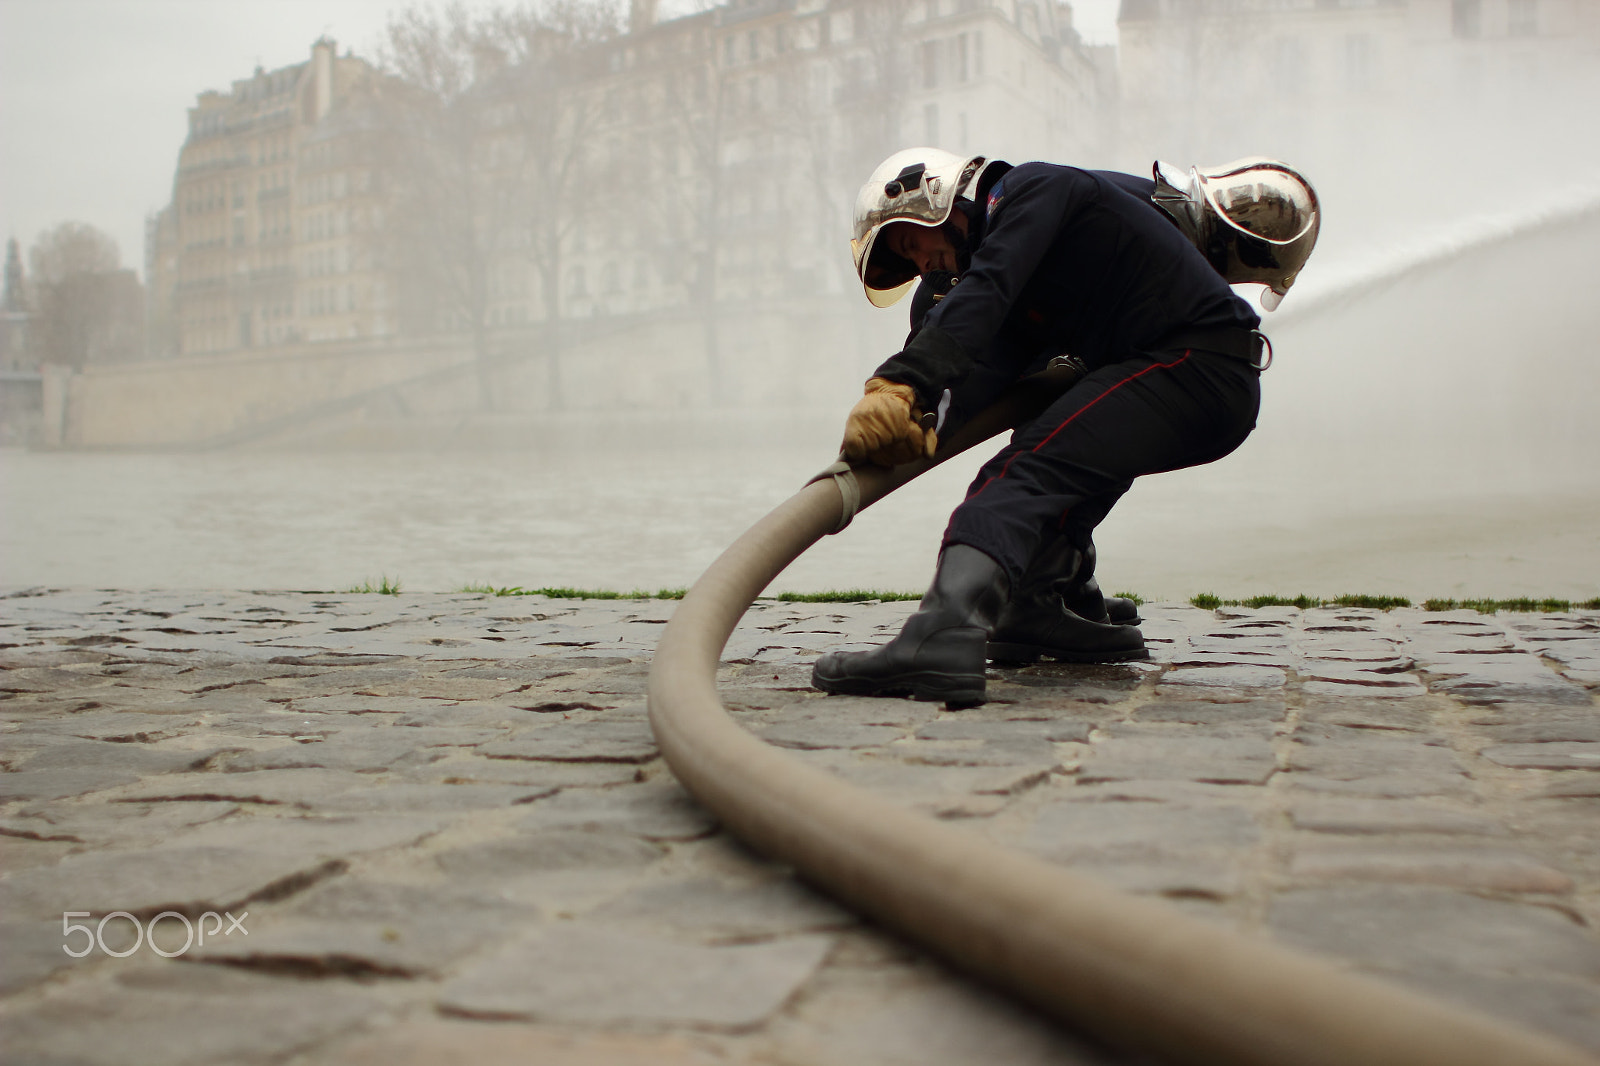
(1133, 971)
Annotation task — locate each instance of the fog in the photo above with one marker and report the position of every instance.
(1427, 427)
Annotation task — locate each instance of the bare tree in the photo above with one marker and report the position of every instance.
(85, 306)
(484, 148)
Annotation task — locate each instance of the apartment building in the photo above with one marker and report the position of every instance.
(254, 249)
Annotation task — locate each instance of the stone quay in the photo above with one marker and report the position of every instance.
(317, 828)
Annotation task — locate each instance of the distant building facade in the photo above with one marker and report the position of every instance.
(254, 249)
(719, 155)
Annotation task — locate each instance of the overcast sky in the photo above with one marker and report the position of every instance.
(94, 93)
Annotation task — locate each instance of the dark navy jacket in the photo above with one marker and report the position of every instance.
(1067, 261)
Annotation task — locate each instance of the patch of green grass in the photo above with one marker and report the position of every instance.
(384, 587)
(562, 592)
(1381, 603)
(1302, 601)
(845, 596)
(1209, 602)
(1521, 603)
(1138, 600)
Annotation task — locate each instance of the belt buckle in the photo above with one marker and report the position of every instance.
(1263, 357)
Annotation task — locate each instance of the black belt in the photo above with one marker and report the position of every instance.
(1248, 345)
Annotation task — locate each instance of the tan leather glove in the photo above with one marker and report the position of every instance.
(883, 427)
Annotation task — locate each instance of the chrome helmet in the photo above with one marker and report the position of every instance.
(1255, 219)
(917, 185)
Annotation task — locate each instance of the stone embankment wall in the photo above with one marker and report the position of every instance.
(777, 357)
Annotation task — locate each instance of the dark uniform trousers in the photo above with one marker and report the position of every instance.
(1063, 471)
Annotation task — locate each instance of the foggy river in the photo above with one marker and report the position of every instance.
(1257, 522)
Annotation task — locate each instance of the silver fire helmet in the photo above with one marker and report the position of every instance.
(1255, 219)
(917, 185)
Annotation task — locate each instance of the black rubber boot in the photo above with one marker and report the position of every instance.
(1082, 596)
(939, 653)
(1059, 612)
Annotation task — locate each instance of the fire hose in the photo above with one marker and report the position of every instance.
(1135, 972)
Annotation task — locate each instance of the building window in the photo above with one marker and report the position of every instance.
(930, 124)
(1466, 18)
(1522, 18)
(930, 64)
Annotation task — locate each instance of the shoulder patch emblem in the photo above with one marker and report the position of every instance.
(996, 194)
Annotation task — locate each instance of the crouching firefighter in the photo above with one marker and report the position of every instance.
(1038, 277)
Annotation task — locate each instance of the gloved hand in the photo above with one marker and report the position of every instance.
(883, 426)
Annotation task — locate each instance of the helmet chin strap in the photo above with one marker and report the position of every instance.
(962, 240)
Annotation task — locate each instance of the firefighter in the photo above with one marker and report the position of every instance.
(1027, 270)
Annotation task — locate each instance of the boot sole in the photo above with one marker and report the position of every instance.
(928, 687)
(1027, 653)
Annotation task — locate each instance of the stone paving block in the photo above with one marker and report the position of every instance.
(1244, 758)
(531, 854)
(1383, 785)
(1202, 712)
(827, 729)
(1519, 679)
(56, 784)
(946, 789)
(628, 741)
(1356, 690)
(363, 750)
(1476, 869)
(333, 836)
(1349, 649)
(1350, 815)
(72, 754)
(33, 953)
(115, 824)
(345, 704)
(710, 909)
(1351, 754)
(1409, 929)
(1565, 1008)
(921, 1018)
(1362, 712)
(122, 727)
(1576, 786)
(584, 973)
(353, 946)
(1579, 725)
(429, 1041)
(655, 810)
(1557, 756)
(1055, 731)
(1083, 682)
(436, 798)
(1246, 678)
(190, 880)
(176, 1015)
(296, 787)
(1109, 828)
(479, 769)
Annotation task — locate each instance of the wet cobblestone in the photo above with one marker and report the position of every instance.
(445, 823)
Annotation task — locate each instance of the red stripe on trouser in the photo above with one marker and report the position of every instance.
(1072, 417)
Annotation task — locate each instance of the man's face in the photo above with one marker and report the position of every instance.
(925, 246)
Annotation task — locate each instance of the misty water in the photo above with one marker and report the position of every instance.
(642, 518)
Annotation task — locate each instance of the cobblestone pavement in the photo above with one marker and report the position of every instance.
(442, 827)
